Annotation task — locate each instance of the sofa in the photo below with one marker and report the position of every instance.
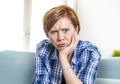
(109, 71)
(17, 67)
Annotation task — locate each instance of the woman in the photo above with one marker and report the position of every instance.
(64, 59)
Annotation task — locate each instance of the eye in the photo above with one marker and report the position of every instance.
(65, 30)
(53, 32)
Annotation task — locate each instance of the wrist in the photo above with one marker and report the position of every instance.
(62, 57)
(67, 68)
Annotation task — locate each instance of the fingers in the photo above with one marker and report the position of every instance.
(74, 41)
(76, 37)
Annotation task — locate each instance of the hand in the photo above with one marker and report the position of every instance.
(67, 52)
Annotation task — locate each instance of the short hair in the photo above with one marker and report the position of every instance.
(56, 13)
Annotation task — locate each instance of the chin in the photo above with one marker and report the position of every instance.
(61, 48)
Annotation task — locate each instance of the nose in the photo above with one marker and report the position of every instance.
(60, 36)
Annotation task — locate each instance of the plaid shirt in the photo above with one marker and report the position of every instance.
(48, 69)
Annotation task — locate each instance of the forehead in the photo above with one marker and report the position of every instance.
(62, 23)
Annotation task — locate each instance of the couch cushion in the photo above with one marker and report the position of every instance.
(107, 81)
(16, 67)
(109, 68)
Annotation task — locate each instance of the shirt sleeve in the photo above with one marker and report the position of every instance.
(40, 72)
(90, 61)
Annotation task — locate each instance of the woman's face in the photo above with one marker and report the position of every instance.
(62, 33)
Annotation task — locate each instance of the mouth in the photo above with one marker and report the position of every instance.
(61, 45)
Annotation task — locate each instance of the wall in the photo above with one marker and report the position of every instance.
(100, 23)
(11, 24)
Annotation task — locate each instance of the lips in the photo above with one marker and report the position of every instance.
(61, 44)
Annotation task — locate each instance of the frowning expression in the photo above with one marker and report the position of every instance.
(61, 33)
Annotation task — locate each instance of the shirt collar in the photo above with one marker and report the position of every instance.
(54, 54)
(75, 55)
(74, 59)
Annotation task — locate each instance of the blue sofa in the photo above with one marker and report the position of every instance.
(17, 68)
(109, 71)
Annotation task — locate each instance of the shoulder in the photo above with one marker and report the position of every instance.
(86, 45)
(44, 46)
(88, 48)
(43, 43)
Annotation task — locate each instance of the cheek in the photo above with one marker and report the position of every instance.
(53, 40)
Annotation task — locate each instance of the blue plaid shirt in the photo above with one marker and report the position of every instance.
(48, 69)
